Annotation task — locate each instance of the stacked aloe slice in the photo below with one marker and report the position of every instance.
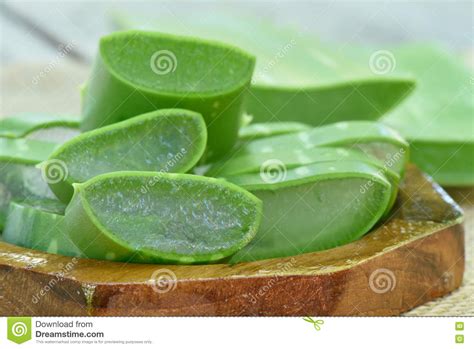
(163, 172)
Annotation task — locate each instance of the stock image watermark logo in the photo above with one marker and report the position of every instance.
(163, 62)
(382, 281)
(19, 329)
(273, 171)
(54, 171)
(382, 62)
(163, 281)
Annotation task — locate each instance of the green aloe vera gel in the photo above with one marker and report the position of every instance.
(137, 71)
(161, 217)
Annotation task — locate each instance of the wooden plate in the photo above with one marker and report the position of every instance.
(415, 256)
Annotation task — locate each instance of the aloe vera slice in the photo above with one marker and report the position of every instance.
(372, 138)
(269, 129)
(39, 225)
(296, 77)
(438, 118)
(137, 72)
(19, 178)
(314, 207)
(166, 140)
(40, 126)
(161, 217)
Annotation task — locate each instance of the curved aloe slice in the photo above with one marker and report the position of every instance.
(314, 207)
(167, 140)
(19, 178)
(296, 77)
(268, 129)
(372, 138)
(161, 217)
(39, 225)
(40, 126)
(137, 72)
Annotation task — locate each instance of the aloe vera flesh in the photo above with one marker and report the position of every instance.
(372, 138)
(269, 129)
(297, 78)
(32, 124)
(136, 72)
(19, 177)
(152, 217)
(316, 207)
(167, 140)
(39, 225)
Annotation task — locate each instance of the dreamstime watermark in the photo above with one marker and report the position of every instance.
(382, 281)
(163, 62)
(54, 171)
(281, 54)
(382, 62)
(389, 162)
(63, 51)
(52, 283)
(163, 280)
(272, 171)
(171, 163)
(263, 290)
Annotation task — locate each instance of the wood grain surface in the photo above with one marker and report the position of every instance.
(414, 257)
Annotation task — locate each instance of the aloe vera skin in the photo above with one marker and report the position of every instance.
(438, 118)
(297, 78)
(19, 177)
(207, 77)
(372, 138)
(150, 217)
(269, 129)
(317, 207)
(31, 125)
(167, 140)
(39, 225)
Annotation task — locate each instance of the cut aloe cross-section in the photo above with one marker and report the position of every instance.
(297, 77)
(19, 178)
(161, 217)
(166, 140)
(268, 129)
(137, 72)
(372, 138)
(39, 225)
(314, 207)
(48, 127)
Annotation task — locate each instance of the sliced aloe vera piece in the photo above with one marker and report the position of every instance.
(19, 178)
(438, 118)
(137, 72)
(296, 77)
(161, 217)
(314, 207)
(39, 225)
(372, 138)
(166, 140)
(268, 129)
(33, 125)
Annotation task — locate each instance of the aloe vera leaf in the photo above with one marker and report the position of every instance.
(372, 138)
(39, 225)
(268, 164)
(438, 118)
(137, 72)
(161, 217)
(296, 77)
(269, 129)
(166, 140)
(314, 207)
(19, 178)
(40, 126)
